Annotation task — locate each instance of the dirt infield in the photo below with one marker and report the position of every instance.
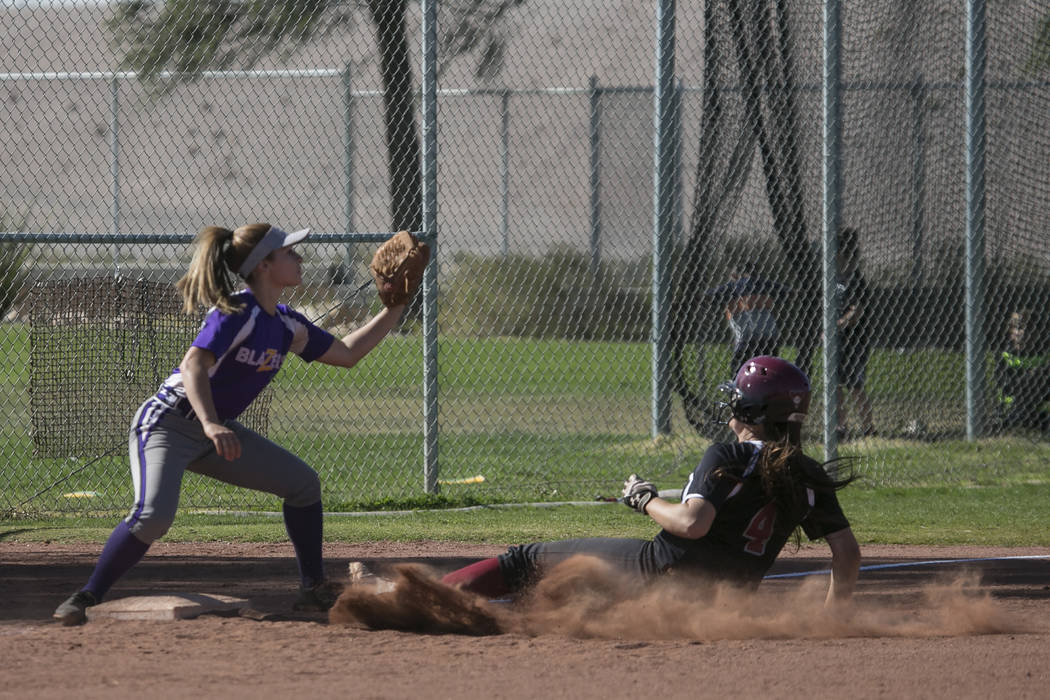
(928, 624)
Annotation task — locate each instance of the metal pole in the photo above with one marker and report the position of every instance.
(504, 173)
(596, 181)
(976, 59)
(114, 167)
(676, 131)
(832, 214)
(663, 211)
(918, 212)
(350, 276)
(430, 349)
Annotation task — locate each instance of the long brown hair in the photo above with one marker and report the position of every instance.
(218, 253)
(782, 467)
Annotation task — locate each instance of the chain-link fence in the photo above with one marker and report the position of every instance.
(567, 171)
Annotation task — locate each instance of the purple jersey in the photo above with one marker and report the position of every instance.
(249, 347)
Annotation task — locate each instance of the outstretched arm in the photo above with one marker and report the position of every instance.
(691, 519)
(351, 348)
(845, 566)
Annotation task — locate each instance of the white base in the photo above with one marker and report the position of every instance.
(178, 606)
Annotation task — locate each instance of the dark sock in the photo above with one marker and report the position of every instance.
(305, 527)
(122, 551)
(483, 577)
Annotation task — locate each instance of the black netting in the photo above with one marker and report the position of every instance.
(99, 347)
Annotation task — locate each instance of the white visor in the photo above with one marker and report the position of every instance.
(274, 239)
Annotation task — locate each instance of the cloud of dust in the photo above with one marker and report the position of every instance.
(418, 603)
(586, 598)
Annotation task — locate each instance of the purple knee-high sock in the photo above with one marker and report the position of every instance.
(305, 527)
(122, 551)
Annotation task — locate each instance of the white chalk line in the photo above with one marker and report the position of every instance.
(875, 567)
(904, 564)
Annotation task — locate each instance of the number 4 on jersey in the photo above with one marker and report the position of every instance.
(760, 529)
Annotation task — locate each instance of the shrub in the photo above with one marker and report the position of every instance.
(557, 296)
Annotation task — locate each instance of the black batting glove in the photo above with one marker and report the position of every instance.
(637, 492)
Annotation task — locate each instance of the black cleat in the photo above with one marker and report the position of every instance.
(318, 598)
(74, 610)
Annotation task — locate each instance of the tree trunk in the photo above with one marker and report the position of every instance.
(399, 115)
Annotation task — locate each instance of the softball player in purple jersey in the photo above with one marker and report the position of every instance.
(190, 423)
(741, 505)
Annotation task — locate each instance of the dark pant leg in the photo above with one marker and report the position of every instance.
(524, 564)
(853, 363)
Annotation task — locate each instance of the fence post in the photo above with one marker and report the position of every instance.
(595, 138)
(832, 214)
(114, 166)
(430, 358)
(975, 172)
(663, 212)
(676, 166)
(504, 173)
(918, 210)
(350, 276)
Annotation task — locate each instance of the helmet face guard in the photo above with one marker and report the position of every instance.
(732, 405)
(766, 390)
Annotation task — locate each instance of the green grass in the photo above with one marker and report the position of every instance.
(1005, 516)
(541, 420)
(994, 516)
(516, 467)
(589, 466)
(501, 366)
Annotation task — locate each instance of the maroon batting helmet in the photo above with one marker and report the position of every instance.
(768, 390)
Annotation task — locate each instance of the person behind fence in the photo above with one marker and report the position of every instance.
(190, 423)
(739, 508)
(748, 303)
(1023, 376)
(854, 341)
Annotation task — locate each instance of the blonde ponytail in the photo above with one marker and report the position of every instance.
(210, 280)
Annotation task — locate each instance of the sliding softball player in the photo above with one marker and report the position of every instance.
(742, 503)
